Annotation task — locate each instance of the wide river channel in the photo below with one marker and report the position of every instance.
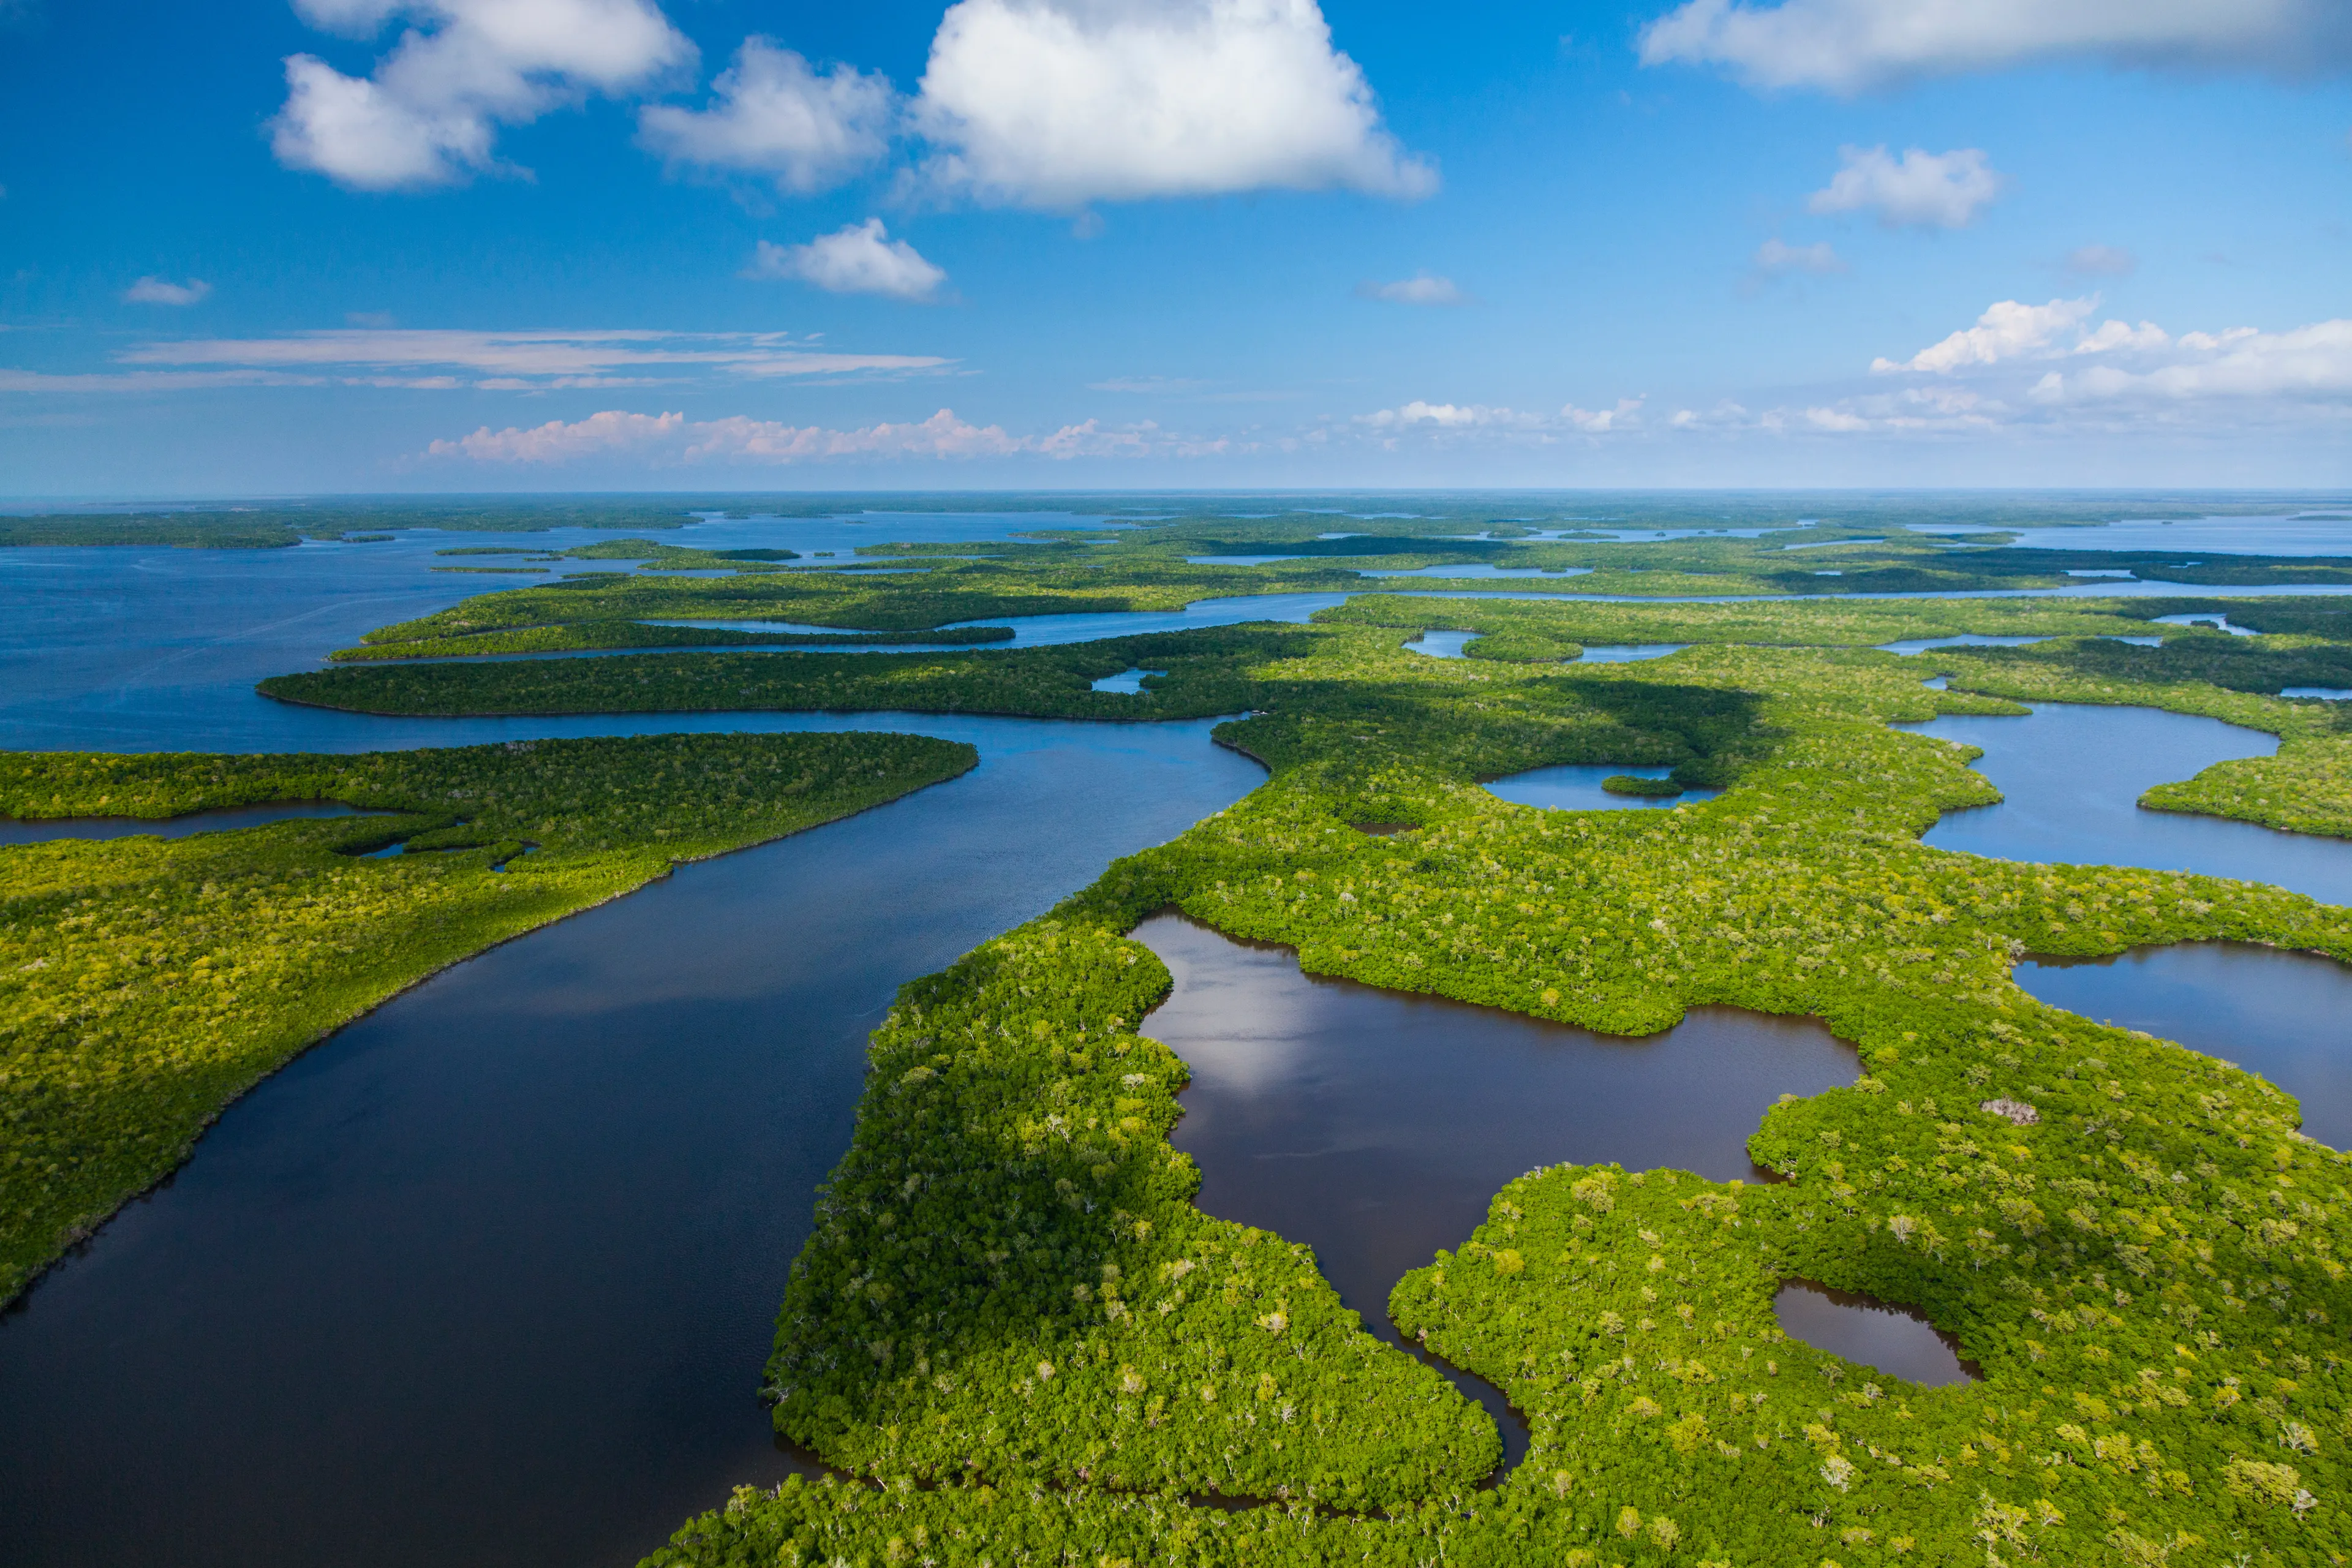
(488, 1278)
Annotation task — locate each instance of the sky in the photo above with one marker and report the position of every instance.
(273, 246)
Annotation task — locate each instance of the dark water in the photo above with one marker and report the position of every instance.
(2071, 777)
(2284, 1015)
(1909, 646)
(12, 831)
(1896, 1339)
(488, 1278)
(1376, 1125)
(1576, 786)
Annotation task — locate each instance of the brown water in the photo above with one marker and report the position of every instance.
(1376, 1125)
(2285, 1016)
(1898, 1341)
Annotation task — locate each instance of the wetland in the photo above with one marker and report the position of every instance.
(1781, 1170)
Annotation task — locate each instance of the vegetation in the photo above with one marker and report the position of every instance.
(584, 637)
(1634, 785)
(2147, 1267)
(1530, 630)
(144, 983)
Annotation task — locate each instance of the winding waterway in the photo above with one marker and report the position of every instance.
(488, 1278)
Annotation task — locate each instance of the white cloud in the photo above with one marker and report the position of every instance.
(2101, 261)
(429, 113)
(2125, 373)
(527, 360)
(1421, 289)
(1848, 46)
(1451, 418)
(1921, 190)
(162, 291)
(1774, 259)
(2113, 336)
(1625, 415)
(772, 115)
(2006, 330)
(557, 442)
(2311, 363)
(1055, 103)
(1443, 415)
(859, 258)
(672, 439)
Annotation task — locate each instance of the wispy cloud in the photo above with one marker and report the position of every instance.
(1776, 258)
(529, 360)
(671, 439)
(1849, 46)
(149, 380)
(2101, 261)
(1421, 289)
(164, 292)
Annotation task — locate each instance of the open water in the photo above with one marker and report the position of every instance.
(2071, 777)
(1376, 1125)
(2285, 1016)
(488, 1277)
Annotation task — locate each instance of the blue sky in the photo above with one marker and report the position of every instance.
(468, 245)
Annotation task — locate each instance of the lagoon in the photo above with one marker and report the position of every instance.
(1376, 1125)
(2284, 1015)
(2071, 777)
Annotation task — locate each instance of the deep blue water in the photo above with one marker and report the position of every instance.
(2071, 777)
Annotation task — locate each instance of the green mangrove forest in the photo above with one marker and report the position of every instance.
(146, 982)
(1012, 1337)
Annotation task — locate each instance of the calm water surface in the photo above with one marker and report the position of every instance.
(1577, 787)
(2071, 777)
(489, 1277)
(136, 649)
(1896, 1340)
(1376, 1125)
(2285, 1016)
